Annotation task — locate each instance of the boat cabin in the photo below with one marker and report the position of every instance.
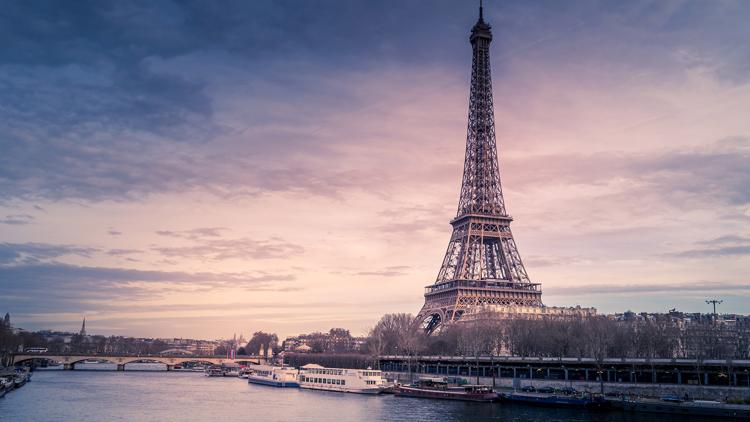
(479, 389)
(432, 383)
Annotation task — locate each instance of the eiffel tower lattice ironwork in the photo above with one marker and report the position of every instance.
(482, 266)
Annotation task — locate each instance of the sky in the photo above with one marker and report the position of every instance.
(199, 169)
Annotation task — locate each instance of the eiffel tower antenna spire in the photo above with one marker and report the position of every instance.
(482, 267)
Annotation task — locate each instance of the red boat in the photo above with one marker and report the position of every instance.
(438, 389)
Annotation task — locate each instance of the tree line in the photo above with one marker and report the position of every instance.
(596, 337)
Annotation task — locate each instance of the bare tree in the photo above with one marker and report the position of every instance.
(397, 333)
(262, 342)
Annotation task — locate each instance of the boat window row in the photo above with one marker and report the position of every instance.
(370, 373)
(316, 380)
(326, 371)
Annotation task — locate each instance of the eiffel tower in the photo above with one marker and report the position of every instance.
(482, 266)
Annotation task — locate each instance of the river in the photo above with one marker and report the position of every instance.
(185, 396)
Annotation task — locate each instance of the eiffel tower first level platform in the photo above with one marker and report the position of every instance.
(482, 268)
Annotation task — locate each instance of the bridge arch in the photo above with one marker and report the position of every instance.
(198, 360)
(35, 358)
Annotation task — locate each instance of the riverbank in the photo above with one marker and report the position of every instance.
(642, 390)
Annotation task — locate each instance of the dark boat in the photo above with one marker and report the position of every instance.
(439, 389)
(557, 400)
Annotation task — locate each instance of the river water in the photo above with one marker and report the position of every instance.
(191, 396)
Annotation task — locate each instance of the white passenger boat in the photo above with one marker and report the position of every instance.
(214, 371)
(362, 381)
(276, 376)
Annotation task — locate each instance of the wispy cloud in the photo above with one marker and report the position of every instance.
(24, 253)
(17, 219)
(193, 234)
(726, 240)
(723, 246)
(716, 252)
(121, 252)
(242, 248)
(390, 271)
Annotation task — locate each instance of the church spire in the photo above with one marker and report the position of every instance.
(83, 327)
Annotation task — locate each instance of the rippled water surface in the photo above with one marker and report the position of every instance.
(185, 396)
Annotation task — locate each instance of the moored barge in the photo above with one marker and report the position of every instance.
(439, 389)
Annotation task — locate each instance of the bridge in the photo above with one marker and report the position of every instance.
(623, 371)
(70, 360)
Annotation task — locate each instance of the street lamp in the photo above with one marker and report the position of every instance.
(531, 380)
(539, 372)
(714, 302)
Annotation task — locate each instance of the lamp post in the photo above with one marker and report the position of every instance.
(539, 372)
(492, 371)
(395, 354)
(714, 302)
(408, 360)
(477, 357)
(531, 380)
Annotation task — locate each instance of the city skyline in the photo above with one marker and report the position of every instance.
(292, 167)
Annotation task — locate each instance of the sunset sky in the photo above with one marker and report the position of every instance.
(196, 169)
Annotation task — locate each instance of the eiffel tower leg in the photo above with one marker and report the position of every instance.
(430, 318)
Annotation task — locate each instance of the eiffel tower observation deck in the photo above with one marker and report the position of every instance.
(482, 268)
